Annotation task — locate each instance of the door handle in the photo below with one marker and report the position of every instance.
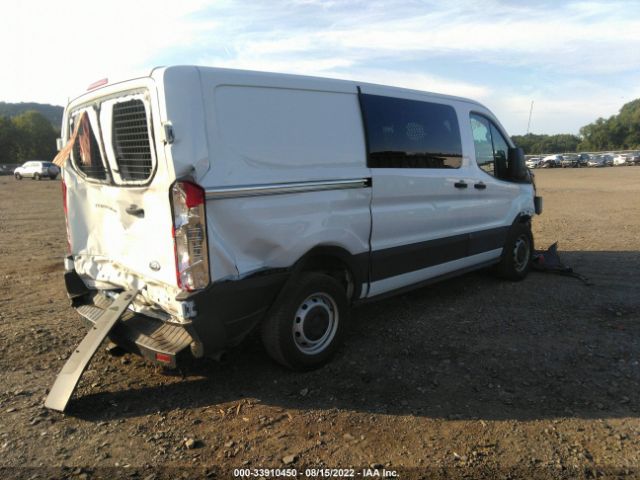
(480, 186)
(135, 211)
(460, 185)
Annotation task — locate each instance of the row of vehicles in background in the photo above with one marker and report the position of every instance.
(575, 160)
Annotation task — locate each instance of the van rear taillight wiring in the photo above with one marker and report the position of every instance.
(190, 235)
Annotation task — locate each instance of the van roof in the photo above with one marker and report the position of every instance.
(328, 81)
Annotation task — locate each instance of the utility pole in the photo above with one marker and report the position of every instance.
(529, 122)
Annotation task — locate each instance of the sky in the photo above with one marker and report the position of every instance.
(576, 60)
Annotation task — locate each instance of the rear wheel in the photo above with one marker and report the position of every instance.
(306, 325)
(517, 253)
(36, 176)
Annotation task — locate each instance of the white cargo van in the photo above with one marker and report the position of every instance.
(227, 200)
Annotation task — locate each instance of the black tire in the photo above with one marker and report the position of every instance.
(36, 176)
(517, 253)
(18, 176)
(315, 298)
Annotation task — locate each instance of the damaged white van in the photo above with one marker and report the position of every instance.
(202, 203)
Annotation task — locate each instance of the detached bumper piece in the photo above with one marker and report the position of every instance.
(153, 339)
(73, 369)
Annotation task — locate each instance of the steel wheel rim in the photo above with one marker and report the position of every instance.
(310, 334)
(521, 253)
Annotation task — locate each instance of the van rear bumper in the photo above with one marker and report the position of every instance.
(224, 313)
(153, 339)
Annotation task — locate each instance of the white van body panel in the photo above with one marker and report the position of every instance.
(260, 135)
(422, 205)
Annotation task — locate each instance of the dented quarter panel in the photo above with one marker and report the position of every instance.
(260, 132)
(336, 218)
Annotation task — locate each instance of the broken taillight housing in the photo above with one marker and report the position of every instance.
(190, 235)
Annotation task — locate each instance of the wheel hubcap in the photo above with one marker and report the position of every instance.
(521, 253)
(315, 323)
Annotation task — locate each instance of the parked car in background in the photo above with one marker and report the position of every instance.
(36, 169)
(608, 159)
(596, 161)
(551, 161)
(633, 158)
(5, 170)
(620, 160)
(583, 159)
(533, 162)
(569, 160)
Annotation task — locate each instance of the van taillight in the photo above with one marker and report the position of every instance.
(190, 235)
(66, 215)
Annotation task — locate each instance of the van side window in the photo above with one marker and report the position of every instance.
(405, 133)
(490, 145)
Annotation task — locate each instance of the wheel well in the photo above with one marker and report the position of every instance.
(334, 266)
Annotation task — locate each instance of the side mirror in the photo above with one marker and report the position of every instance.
(518, 170)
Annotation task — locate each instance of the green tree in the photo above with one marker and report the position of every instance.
(8, 141)
(537, 144)
(36, 137)
(618, 132)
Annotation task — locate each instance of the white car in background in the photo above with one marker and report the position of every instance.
(620, 160)
(551, 161)
(37, 169)
(533, 162)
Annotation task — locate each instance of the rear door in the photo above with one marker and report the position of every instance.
(119, 215)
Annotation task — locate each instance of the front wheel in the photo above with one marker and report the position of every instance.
(517, 252)
(18, 176)
(305, 326)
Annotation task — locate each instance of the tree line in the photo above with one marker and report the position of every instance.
(27, 136)
(618, 132)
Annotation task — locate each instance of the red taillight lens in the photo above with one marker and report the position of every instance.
(190, 235)
(66, 215)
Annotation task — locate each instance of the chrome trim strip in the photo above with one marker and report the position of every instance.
(281, 188)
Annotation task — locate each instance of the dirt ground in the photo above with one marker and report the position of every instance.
(470, 378)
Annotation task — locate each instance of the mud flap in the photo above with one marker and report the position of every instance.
(69, 376)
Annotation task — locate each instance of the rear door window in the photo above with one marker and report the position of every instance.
(404, 133)
(86, 155)
(128, 138)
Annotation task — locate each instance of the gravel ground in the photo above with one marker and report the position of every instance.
(470, 378)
